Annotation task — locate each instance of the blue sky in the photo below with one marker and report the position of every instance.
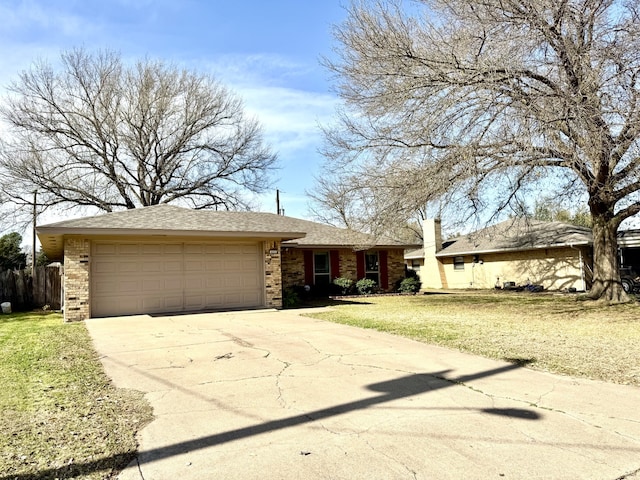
(267, 51)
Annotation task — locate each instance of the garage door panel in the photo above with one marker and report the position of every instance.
(105, 267)
(105, 249)
(128, 249)
(192, 283)
(152, 277)
(152, 267)
(251, 298)
(174, 266)
(151, 249)
(232, 264)
(193, 265)
(248, 282)
(172, 248)
(214, 282)
(233, 282)
(215, 265)
(126, 267)
(249, 264)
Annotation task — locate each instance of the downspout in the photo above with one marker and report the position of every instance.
(584, 285)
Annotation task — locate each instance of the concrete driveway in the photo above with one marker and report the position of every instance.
(275, 395)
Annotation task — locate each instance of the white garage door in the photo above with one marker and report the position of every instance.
(146, 277)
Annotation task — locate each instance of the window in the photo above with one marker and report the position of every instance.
(415, 265)
(372, 267)
(458, 263)
(321, 269)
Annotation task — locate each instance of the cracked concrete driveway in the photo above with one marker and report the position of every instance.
(276, 395)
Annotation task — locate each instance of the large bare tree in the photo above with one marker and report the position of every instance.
(98, 132)
(501, 97)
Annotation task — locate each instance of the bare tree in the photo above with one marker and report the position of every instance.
(381, 201)
(502, 97)
(100, 133)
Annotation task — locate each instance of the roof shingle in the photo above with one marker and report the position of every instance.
(517, 235)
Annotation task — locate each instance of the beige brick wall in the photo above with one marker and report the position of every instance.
(395, 264)
(348, 264)
(292, 267)
(273, 274)
(555, 269)
(77, 253)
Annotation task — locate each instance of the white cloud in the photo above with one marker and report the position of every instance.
(31, 16)
(290, 114)
(290, 118)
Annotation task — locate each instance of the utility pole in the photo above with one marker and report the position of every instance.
(280, 210)
(33, 236)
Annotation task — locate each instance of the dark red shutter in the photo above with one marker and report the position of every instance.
(334, 256)
(308, 267)
(360, 264)
(384, 269)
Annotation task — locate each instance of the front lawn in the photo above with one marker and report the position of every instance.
(61, 416)
(555, 333)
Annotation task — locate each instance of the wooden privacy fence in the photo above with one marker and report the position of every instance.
(19, 288)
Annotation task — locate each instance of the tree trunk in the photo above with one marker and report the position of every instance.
(606, 263)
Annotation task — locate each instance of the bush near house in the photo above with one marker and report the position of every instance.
(344, 284)
(364, 286)
(409, 285)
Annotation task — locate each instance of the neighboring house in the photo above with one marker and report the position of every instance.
(556, 255)
(629, 244)
(414, 260)
(169, 259)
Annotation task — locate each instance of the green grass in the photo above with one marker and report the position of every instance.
(61, 416)
(555, 333)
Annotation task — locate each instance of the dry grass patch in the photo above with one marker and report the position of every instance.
(61, 416)
(555, 333)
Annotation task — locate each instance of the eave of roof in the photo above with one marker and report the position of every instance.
(507, 250)
(414, 254)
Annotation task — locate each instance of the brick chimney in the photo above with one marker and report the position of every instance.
(432, 234)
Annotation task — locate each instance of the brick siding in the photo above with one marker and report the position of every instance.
(293, 266)
(273, 274)
(77, 253)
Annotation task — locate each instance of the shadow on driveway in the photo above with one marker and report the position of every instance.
(391, 390)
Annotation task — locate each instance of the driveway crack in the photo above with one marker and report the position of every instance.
(280, 397)
(629, 475)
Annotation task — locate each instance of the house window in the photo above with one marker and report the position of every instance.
(321, 269)
(415, 266)
(372, 267)
(458, 263)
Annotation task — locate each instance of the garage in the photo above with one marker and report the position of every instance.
(169, 259)
(153, 277)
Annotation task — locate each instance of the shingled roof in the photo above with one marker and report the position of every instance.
(170, 220)
(517, 235)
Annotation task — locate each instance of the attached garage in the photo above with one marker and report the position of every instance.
(154, 277)
(168, 259)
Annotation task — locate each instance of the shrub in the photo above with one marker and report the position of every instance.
(344, 284)
(365, 286)
(409, 285)
(290, 298)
